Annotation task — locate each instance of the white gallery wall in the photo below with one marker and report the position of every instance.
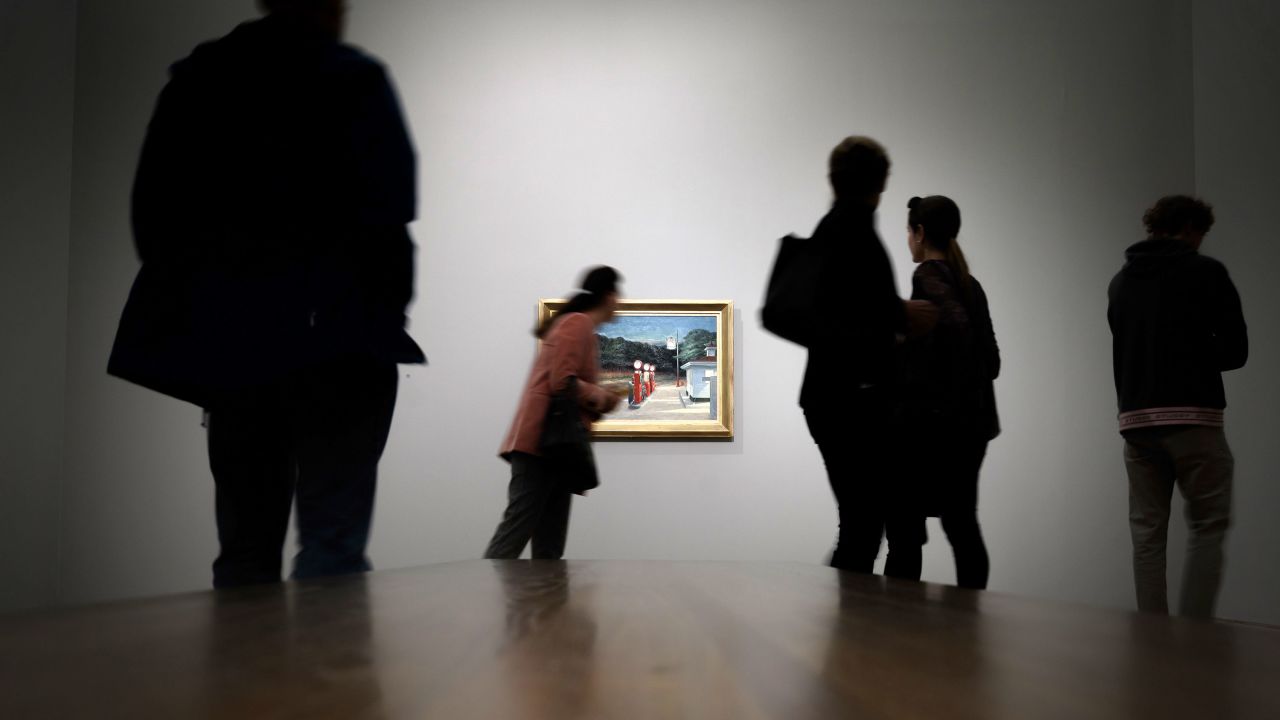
(37, 73)
(677, 142)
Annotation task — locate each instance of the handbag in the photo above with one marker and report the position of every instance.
(565, 443)
(791, 298)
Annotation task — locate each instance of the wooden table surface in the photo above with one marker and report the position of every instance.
(621, 639)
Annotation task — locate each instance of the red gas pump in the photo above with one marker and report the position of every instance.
(636, 390)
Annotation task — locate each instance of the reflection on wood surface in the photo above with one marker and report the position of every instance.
(535, 639)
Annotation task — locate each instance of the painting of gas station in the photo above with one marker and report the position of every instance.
(671, 363)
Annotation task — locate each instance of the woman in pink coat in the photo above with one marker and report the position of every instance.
(538, 504)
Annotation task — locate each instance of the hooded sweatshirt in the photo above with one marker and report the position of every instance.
(1176, 326)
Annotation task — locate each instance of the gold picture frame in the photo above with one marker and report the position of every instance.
(688, 392)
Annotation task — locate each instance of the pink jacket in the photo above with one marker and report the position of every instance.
(569, 349)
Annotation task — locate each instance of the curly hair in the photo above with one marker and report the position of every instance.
(1176, 214)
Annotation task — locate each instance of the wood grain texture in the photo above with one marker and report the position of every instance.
(526, 639)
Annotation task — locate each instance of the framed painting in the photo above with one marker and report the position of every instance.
(672, 361)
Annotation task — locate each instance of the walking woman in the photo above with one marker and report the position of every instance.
(948, 397)
(538, 501)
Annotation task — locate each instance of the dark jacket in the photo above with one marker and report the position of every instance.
(949, 373)
(1176, 325)
(270, 212)
(860, 312)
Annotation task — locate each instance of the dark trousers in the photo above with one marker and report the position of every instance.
(858, 452)
(960, 518)
(314, 439)
(947, 480)
(537, 511)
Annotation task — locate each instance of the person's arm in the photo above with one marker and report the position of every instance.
(1230, 335)
(572, 357)
(385, 186)
(155, 203)
(989, 348)
(934, 301)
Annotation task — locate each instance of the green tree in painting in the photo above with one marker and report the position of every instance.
(694, 345)
(620, 354)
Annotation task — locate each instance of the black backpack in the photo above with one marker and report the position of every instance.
(791, 299)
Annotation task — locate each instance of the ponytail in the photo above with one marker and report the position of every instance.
(596, 286)
(959, 266)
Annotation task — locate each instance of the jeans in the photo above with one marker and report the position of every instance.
(1199, 461)
(537, 511)
(314, 440)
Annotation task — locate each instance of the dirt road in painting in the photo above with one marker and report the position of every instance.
(663, 405)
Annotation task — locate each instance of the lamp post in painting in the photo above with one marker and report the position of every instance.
(673, 343)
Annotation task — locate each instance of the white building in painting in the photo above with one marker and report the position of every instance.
(698, 374)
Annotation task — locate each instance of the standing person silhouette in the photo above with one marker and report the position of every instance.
(270, 212)
(847, 384)
(1176, 326)
(948, 396)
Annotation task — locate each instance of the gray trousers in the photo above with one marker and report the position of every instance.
(1198, 460)
(537, 510)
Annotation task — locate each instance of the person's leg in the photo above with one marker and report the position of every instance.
(965, 535)
(856, 488)
(1151, 480)
(253, 475)
(911, 481)
(343, 414)
(527, 497)
(960, 521)
(907, 535)
(552, 531)
(1205, 467)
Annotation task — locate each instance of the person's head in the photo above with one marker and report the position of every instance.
(858, 170)
(1180, 217)
(933, 226)
(328, 16)
(598, 297)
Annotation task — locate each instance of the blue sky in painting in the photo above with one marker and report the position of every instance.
(655, 328)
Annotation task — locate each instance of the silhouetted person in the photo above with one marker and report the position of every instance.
(948, 396)
(270, 212)
(1176, 325)
(847, 384)
(538, 498)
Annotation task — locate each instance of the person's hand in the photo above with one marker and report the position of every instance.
(921, 317)
(611, 401)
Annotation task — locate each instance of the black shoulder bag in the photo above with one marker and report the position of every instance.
(791, 300)
(566, 443)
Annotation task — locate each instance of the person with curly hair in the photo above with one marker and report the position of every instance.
(1177, 325)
